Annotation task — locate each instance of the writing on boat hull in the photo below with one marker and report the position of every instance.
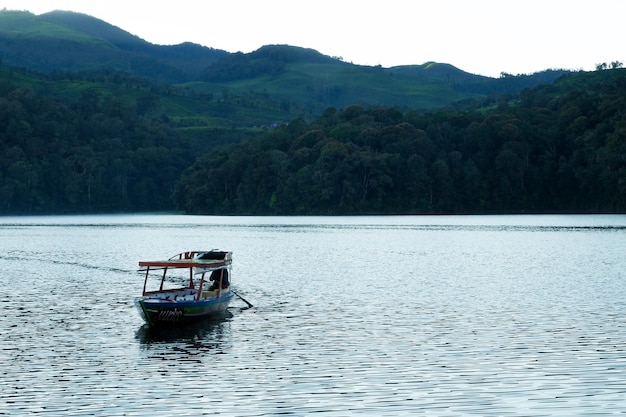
(170, 315)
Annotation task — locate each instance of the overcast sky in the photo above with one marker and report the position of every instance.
(484, 37)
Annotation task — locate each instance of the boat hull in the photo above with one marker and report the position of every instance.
(158, 312)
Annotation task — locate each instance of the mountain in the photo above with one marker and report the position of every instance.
(93, 119)
(277, 80)
(68, 41)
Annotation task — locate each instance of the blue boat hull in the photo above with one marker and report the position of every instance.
(158, 312)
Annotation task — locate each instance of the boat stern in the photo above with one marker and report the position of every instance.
(141, 309)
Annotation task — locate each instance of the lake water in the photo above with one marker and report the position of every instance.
(376, 316)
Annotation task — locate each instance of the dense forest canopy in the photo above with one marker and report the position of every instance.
(105, 142)
(554, 148)
(89, 151)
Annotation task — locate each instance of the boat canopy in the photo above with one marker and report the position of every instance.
(203, 261)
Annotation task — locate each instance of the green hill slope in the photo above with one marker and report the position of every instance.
(275, 78)
(67, 41)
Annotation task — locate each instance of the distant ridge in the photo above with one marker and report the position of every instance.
(69, 41)
(303, 80)
(95, 27)
(435, 70)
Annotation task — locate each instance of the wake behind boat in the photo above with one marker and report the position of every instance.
(205, 290)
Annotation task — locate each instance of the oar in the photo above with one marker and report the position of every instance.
(243, 299)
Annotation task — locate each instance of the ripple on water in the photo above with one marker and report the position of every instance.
(438, 321)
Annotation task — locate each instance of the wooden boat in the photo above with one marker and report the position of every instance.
(205, 292)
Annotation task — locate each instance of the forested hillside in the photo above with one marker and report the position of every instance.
(91, 147)
(93, 119)
(273, 83)
(554, 148)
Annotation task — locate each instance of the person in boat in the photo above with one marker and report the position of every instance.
(215, 277)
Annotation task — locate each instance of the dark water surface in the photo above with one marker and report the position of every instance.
(377, 316)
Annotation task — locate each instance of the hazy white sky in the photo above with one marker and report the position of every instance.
(479, 36)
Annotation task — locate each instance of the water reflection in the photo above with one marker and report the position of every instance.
(190, 342)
